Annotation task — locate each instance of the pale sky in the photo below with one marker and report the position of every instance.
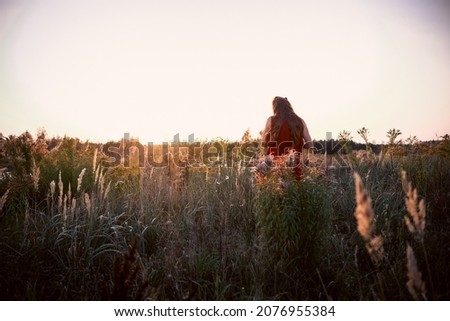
(95, 69)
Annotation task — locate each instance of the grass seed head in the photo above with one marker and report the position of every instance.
(80, 179)
(415, 221)
(365, 218)
(364, 212)
(61, 188)
(415, 284)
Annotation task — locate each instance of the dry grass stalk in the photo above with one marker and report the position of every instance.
(365, 218)
(108, 188)
(35, 173)
(65, 210)
(3, 199)
(177, 174)
(102, 187)
(80, 179)
(73, 206)
(416, 286)
(69, 193)
(61, 188)
(364, 213)
(101, 176)
(97, 173)
(94, 161)
(52, 189)
(416, 221)
(52, 194)
(145, 176)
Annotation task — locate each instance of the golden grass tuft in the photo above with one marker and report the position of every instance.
(364, 213)
(94, 161)
(365, 218)
(80, 179)
(416, 219)
(415, 284)
(52, 189)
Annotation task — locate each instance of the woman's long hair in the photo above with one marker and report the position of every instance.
(283, 111)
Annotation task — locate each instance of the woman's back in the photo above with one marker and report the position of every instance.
(284, 130)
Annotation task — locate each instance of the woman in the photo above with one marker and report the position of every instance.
(285, 131)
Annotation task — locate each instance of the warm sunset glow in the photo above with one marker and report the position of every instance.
(96, 69)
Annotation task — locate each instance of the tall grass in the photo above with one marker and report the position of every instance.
(73, 229)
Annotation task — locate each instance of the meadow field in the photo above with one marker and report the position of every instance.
(220, 221)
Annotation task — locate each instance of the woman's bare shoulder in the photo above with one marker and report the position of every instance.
(271, 118)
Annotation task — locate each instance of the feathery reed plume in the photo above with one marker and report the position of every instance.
(416, 221)
(94, 161)
(35, 172)
(364, 213)
(52, 194)
(52, 189)
(365, 218)
(61, 188)
(3, 199)
(376, 249)
(416, 286)
(80, 179)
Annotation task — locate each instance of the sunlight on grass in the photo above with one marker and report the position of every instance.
(226, 229)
